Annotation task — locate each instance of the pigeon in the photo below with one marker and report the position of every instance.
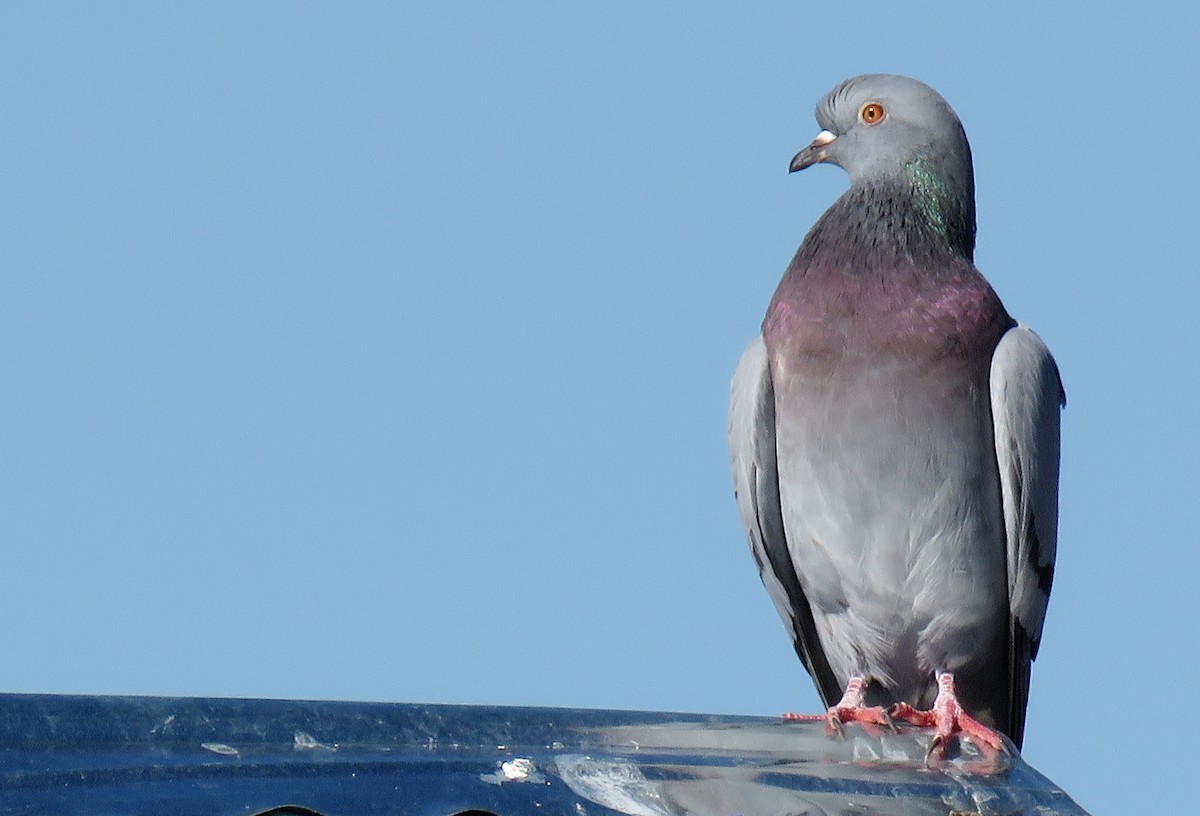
(894, 437)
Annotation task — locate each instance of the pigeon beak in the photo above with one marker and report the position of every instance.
(812, 154)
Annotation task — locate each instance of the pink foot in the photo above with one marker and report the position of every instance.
(849, 709)
(948, 717)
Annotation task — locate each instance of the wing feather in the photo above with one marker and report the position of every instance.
(756, 488)
(1027, 399)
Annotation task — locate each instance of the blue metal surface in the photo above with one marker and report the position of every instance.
(146, 755)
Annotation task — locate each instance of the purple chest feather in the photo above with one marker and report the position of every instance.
(828, 313)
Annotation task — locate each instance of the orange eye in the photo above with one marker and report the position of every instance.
(871, 113)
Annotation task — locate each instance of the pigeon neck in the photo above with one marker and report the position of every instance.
(916, 217)
(946, 200)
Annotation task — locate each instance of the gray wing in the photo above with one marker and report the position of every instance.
(1027, 398)
(756, 488)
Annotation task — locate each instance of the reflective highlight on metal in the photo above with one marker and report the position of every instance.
(92, 755)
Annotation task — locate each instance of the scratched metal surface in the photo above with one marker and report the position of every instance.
(148, 755)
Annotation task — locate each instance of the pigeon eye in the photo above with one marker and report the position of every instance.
(871, 113)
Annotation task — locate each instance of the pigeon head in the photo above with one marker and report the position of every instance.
(895, 133)
(877, 124)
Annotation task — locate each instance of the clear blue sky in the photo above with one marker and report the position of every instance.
(381, 351)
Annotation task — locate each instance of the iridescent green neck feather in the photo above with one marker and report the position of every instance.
(947, 204)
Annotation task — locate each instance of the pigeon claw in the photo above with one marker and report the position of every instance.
(947, 718)
(837, 716)
(850, 709)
